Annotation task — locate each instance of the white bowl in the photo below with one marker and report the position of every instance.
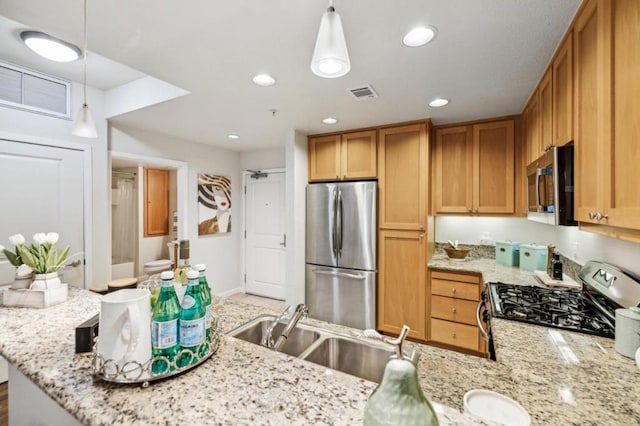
(496, 407)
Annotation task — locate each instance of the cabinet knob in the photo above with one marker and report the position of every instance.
(453, 335)
(592, 215)
(453, 310)
(600, 216)
(337, 176)
(344, 177)
(453, 290)
(475, 210)
(469, 209)
(421, 227)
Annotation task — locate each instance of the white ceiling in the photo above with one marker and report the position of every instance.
(487, 58)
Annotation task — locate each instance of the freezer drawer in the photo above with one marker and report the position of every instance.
(341, 296)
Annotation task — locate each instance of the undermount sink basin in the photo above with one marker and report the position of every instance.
(351, 357)
(253, 331)
(359, 357)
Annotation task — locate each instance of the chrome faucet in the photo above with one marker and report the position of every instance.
(300, 312)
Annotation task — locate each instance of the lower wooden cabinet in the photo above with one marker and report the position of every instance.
(452, 302)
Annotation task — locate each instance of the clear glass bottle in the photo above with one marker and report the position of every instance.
(192, 321)
(164, 326)
(183, 263)
(206, 297)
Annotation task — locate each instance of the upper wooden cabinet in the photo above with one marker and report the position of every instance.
(156, 202)
(532, 139)
(474, 169)
(607, 65)
(343, 157)
(562, 68)
(402, 177)
(545, 101)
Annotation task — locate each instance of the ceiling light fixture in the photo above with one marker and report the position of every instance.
(330, 56)
(264, 80)
(329, 120)
(50, 47)
(419, 36)
(438, 102)
(233, 136)
(85, 127)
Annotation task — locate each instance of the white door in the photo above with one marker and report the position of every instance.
(265, 237)
(42, 190)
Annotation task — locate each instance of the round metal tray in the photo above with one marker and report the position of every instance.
(135, 372)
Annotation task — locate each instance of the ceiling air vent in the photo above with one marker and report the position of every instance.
(33, 91)
(364, 92)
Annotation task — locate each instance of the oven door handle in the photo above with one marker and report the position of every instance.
(485, 335)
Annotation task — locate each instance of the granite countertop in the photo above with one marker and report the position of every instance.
(560, 377)
(241, 384)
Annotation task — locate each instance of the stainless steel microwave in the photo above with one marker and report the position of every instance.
(550, 187)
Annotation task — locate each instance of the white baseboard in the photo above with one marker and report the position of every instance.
(230, 292)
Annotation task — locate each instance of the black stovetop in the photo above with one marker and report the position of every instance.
(570, 310)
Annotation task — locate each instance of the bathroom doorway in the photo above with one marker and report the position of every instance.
(132, 246)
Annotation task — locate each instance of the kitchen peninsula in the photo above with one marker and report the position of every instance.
(246, 384)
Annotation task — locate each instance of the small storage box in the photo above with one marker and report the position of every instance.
(533, 257)
(508, 253)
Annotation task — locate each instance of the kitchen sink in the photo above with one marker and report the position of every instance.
(253, 331)
(360, 357)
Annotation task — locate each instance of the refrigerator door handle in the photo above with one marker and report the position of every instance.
(339, 274)
(334, 242)
(339, 222)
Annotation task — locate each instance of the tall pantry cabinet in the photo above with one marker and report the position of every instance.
(402, 242)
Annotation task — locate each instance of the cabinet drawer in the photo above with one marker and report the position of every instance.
(455, 334)
(454, 289)
(452, 309)
(452, 276)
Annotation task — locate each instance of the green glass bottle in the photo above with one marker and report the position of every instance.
(164, 326)
(192, 321)
(206, 297)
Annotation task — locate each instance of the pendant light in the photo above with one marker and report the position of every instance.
(85, 127)
(330, 56)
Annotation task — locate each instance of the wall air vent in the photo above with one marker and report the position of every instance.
(364, 92)
(29, 90)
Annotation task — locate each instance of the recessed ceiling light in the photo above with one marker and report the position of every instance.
(50, 47)
(419, 36)
(329, 120)
(438, 102)
(264, 80)
(233, 136)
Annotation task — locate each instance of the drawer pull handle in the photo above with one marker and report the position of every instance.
(453, 310)
(453, 335)
(453, 290)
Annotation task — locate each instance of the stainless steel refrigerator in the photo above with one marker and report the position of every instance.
(341, 253)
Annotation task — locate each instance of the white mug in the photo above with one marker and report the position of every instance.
(124, 333)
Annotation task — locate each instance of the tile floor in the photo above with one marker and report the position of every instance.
(265, 302)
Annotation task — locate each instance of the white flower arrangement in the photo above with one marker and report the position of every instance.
(41, 257)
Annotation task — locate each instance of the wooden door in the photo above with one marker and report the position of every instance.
(402, 177)
(545, 90)
(156, 202)
(358, 155)
(533, 128)
(621, 193)
(493, 164)
(324, 158)
(562, 67)
(401, 282)
(590, 97)
(452, 177)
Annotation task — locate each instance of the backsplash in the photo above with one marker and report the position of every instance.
(569, 267)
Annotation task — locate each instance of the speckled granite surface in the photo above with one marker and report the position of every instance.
(241, 384)
(560, 377)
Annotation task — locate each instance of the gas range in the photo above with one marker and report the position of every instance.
(590, 311)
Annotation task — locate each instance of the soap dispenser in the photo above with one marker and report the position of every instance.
(556, 266)
(399, 400)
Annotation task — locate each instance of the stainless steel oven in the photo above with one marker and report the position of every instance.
(550, 187)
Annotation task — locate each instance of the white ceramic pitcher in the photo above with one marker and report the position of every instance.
(124, 336)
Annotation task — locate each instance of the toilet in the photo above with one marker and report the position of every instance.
(157, 266)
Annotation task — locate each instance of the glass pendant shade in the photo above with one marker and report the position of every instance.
(330, 56)
(85, 127)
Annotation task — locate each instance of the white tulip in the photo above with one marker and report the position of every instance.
(52, 237)
(40, 238)
(17, 239)
(2, 248)
(23, 271)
